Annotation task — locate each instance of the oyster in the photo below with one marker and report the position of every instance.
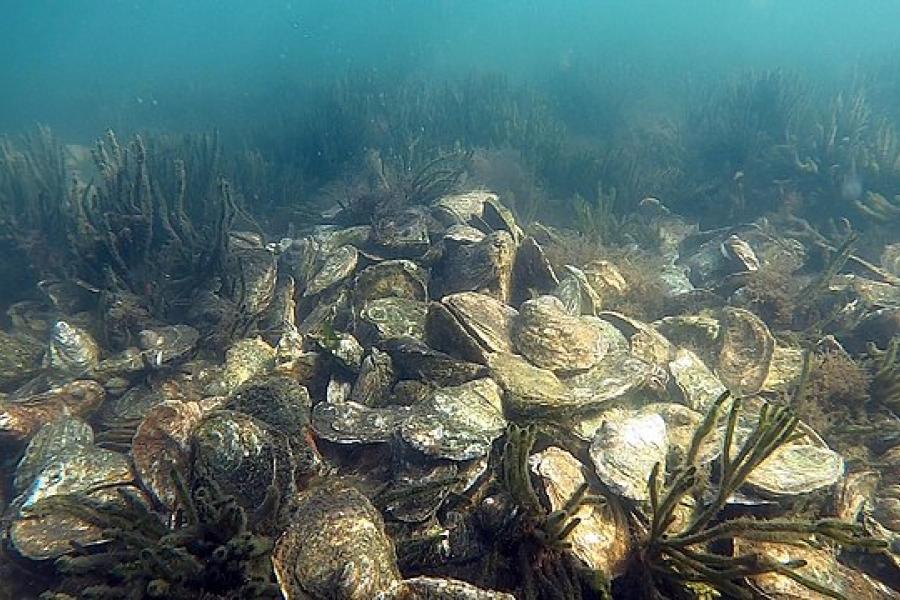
(484, 266)
(19, 359)
(166, 344)
(819, 565)
(796, 468)
(352, 423)
(61, 459)
(280, 402)
(432, 588)
(72, 350)
(459, 209)
(624, 452)
(577, 294)
(554, 340)
(244, 360)
(281, 315)
(618, 376)
(243, 455)
(162, 443)
(253, 276)
(20, 419)
(646, 342)
(376, 377)
(390, 278)
(457, 423)
(335, 547)
(529, 390)
(413, 359)
(391, 317)
(338, 266)
(470, 325)
(401, 234)
(601, 539)
(740, 256)
(746, 352)
(698, 385)
(344, 349)
(531, 271)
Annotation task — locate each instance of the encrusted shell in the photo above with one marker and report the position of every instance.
(166, 344)
(457, 423)
(795, 468)
(389, 317)
(334, 547)
(529, 390)
(352, 423)
(483, 266)
(390, 278)
(698, 385)
(19, 420)
(532, 271)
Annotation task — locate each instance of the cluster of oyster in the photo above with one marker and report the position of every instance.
(400, 351)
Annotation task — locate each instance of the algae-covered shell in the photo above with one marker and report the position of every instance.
(601, 540)
(280, 402)
(391, 317)
(338, 266)
(529, 390)
(746, 352)
(243, 455)
(335, 546)
(457, 423)
(254, 272)
(19, 358)
(618, 376)
(552, 339)
(390, 278)
(625, 451)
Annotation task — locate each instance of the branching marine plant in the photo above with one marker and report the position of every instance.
(674, 557)
(212, 554)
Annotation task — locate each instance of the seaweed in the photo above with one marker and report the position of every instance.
(210, 553)
(885, 387)
(675, 554)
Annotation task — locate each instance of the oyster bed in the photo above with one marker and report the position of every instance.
(422, 404)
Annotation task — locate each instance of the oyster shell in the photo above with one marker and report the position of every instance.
(280, 402)
(470, 325)
(624, 452)
(698, 385)
(457, 423)
(529, 390)
(402, 233)
(19, 420)
(794, 469)
(459, 209)
(483, 266)
(413, 359)
(162, 443)
(746, 352)
(166, 344)
(554, 340)
(577, 294)
(19, 359)
(532, 271)
(244, 360)
(253, 274)
(335, 547)
(433, 588)
(243, 455)
(72, 350)
(601, 540)
(376, 378)
(390, 278)
(338, 266)
(391, 317)
(619, 375)
(352, 423)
